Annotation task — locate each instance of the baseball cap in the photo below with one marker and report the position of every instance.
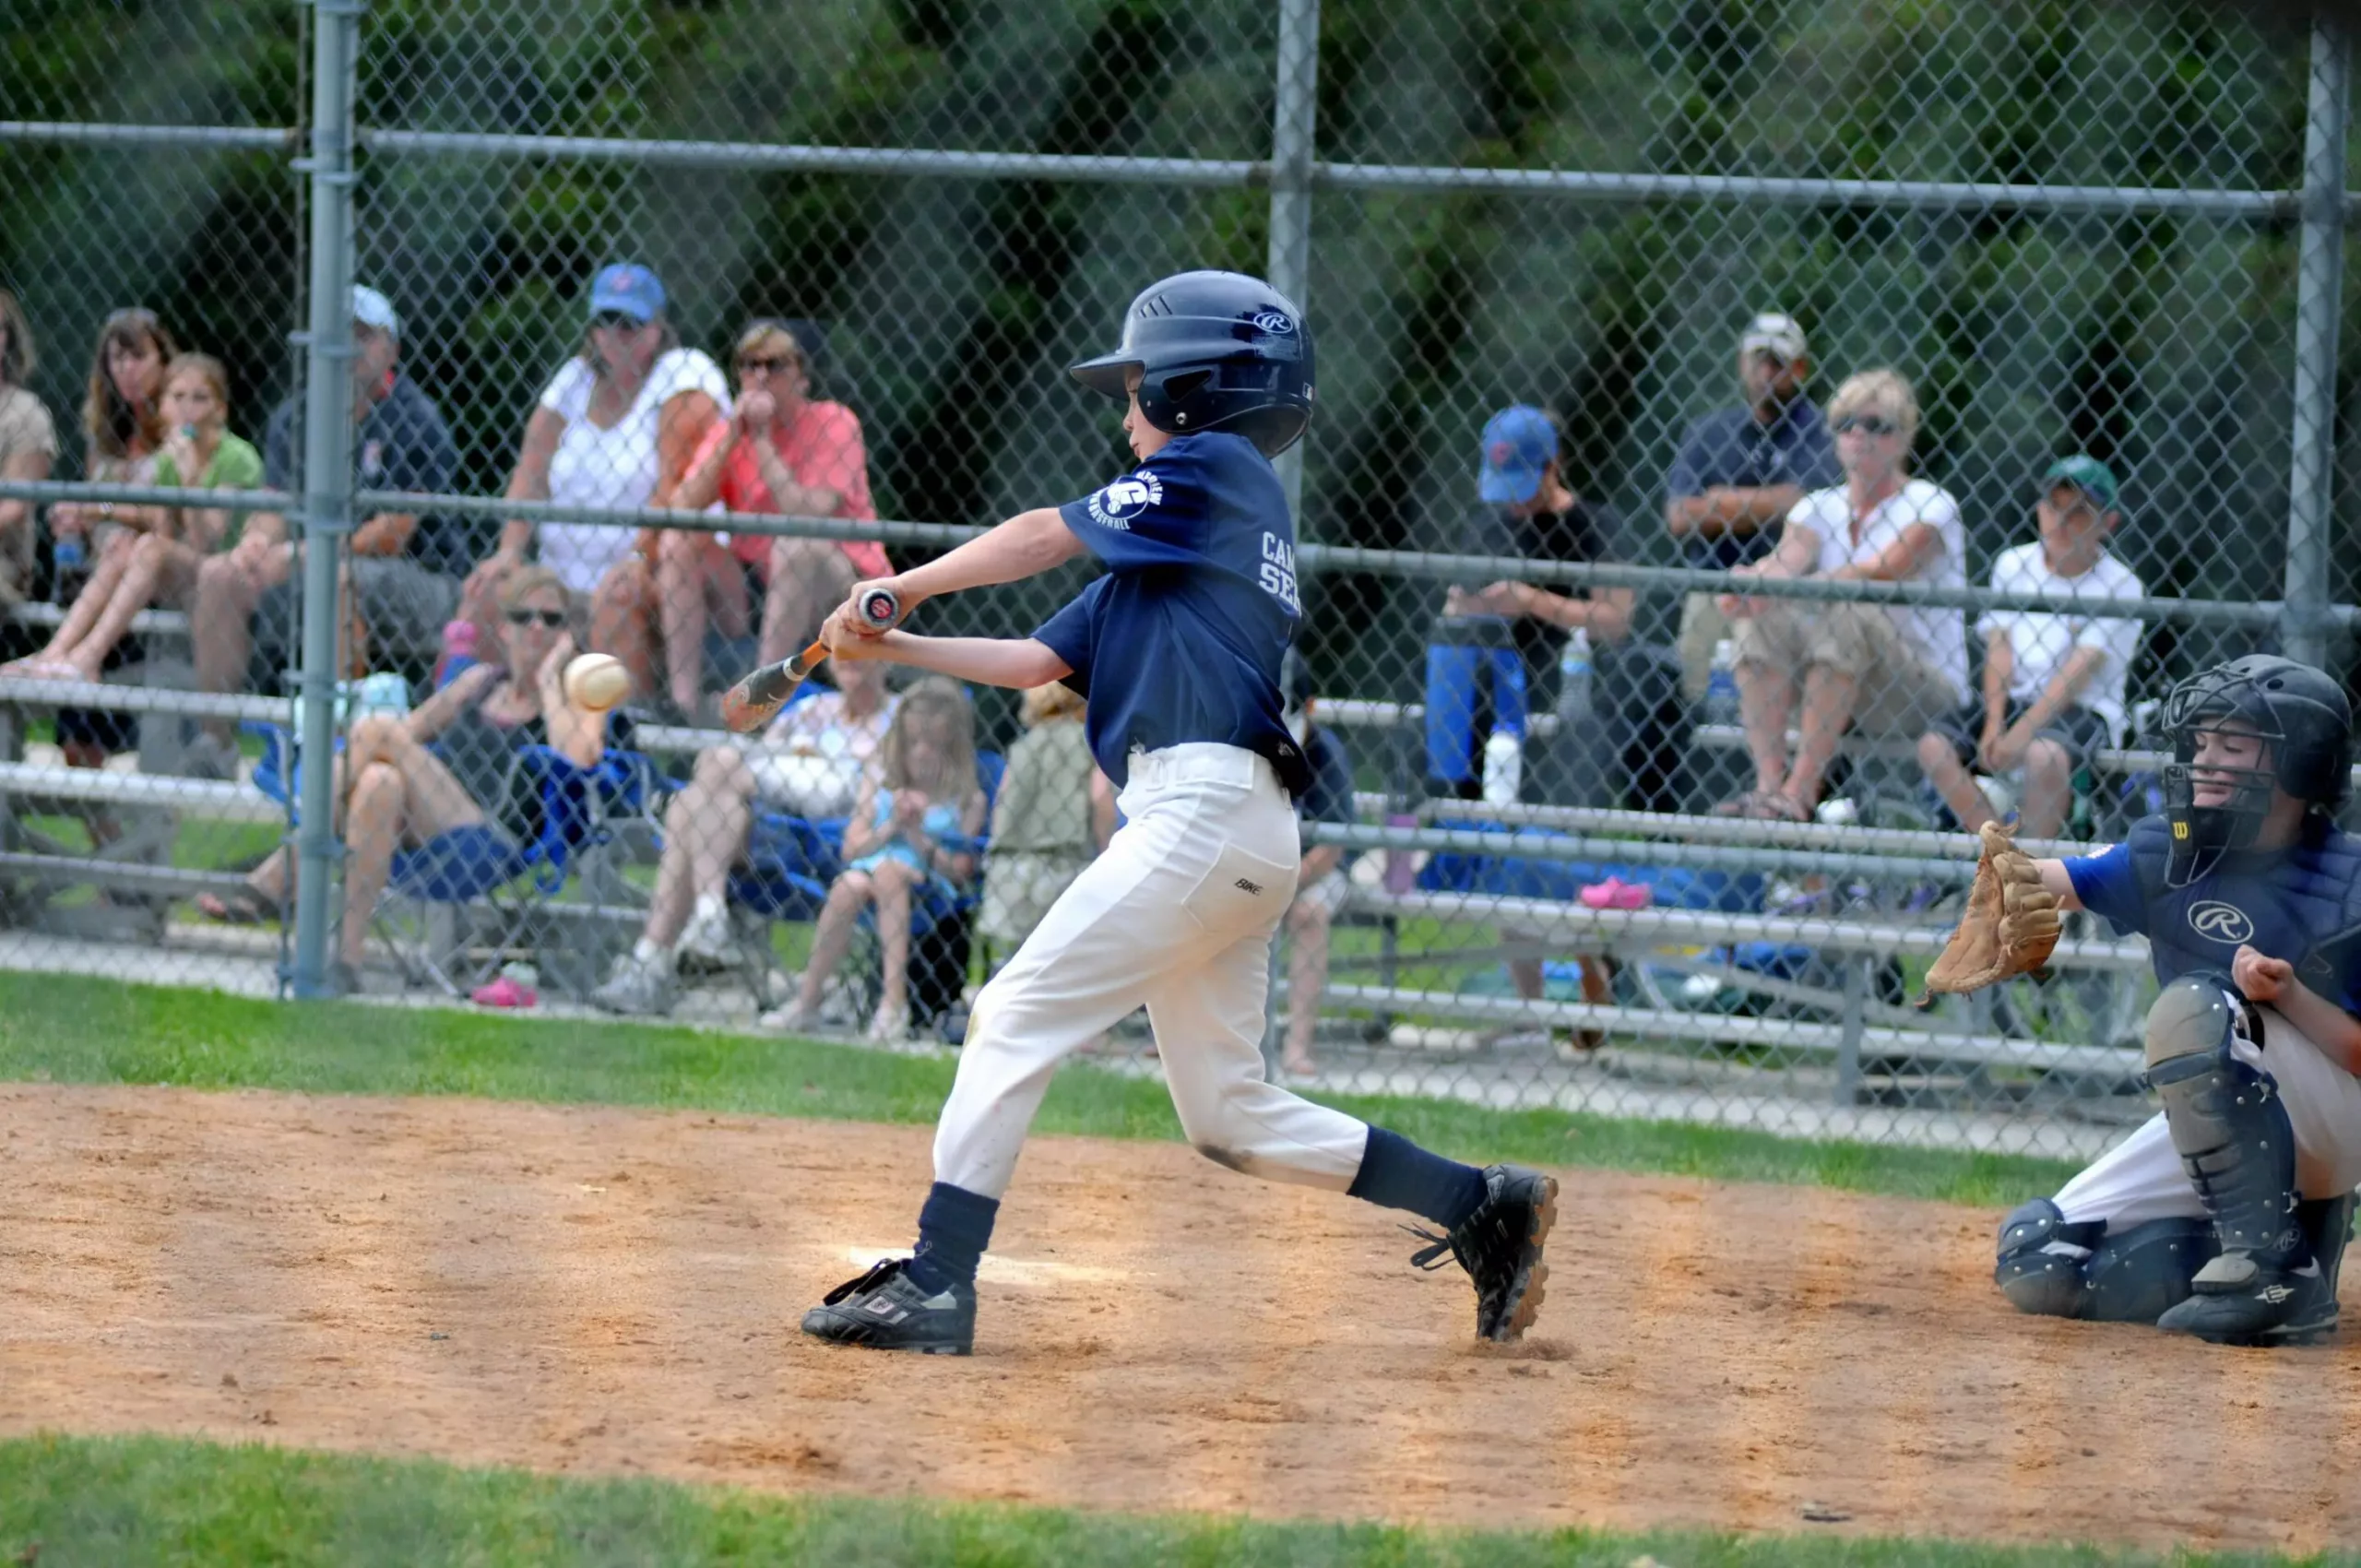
(1518, 443)
(2086, 474)
(372, 309)
(1776, 335)
(630, 287)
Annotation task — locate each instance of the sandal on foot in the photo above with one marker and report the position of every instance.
(246, 906)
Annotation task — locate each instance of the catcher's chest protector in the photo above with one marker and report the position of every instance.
(2302, 904)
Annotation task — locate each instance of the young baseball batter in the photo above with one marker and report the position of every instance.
(2225, 1216)
(1176, 650)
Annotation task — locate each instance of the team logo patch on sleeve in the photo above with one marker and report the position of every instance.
(2220, 922)
(1115, 506)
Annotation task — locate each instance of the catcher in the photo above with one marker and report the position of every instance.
(2224, 1217)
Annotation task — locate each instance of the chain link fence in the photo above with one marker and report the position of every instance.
(1997, 348)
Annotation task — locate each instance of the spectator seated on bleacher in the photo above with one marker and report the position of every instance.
(614, 428)
(1739, 472)
(399, 572)
(1493, 651)
(441, 785)
(1320, 885)
(153, 555)
(781, 451)
(2053, 683)
(1878, 669)
(912, 839)
(808, 764)
(1054, 811)
(123, 429)
(28, 449)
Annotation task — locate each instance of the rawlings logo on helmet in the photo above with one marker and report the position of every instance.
(1276, 322)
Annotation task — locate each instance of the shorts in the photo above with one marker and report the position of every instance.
(1899, 694)
(405, 604)
(2078, 730)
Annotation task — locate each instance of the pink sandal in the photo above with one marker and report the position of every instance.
(1617, 894)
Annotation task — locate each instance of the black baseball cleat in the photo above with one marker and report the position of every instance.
(2274, 1306)
(2237, 1300)
(1500, 1246)
(886, 1310)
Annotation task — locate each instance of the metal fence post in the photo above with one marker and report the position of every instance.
(1296, 109)
(2319, 269)
(327, 465)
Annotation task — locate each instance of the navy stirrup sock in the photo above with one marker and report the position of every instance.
(954, 1226)
(1397, 1173)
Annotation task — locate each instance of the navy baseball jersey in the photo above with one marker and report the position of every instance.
(1181, 639)
(2301, 904)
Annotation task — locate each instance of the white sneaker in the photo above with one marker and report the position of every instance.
(635, 988)
(708, 939)
(788, 1018)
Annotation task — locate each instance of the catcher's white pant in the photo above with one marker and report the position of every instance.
(1177, 914)
(2141, 1179)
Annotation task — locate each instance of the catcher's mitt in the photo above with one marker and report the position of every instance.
(2009, 926)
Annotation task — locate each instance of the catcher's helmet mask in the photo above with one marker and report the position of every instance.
(1213, 351)
(2306, 725)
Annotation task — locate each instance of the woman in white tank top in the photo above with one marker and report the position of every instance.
(614, 427)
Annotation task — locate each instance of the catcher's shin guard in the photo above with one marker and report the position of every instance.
(2083, 1270)
(2235, 1143)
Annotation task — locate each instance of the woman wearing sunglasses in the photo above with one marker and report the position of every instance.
(461, 802)
(782, 451)
(1883, 669)
(614, 428)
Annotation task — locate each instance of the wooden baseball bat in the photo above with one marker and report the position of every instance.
(749, 705)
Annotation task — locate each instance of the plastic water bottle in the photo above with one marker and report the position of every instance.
(1503, 767)
(1573, 677)
(1720, 686)
(70, 561)
(1401, 865)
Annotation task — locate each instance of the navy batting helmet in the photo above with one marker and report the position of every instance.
(2306, 725)
(1216, 350)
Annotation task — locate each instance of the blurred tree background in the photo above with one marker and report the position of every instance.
(2164, 343)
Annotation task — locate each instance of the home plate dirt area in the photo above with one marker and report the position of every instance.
(596, 1290)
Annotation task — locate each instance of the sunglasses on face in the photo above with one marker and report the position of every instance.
(769, 364)
(1867, 424)
(552, 619)
(618, 319)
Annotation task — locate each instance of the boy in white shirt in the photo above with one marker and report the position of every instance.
(2053, 682)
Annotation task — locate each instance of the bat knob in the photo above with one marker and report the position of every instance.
(879, 608)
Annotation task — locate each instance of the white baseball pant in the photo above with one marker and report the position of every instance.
(1178, 914)
(2141, 1179)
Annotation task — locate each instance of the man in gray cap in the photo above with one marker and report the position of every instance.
(400, 570)
(1739, 472)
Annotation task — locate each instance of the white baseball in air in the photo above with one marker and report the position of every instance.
(596, 680)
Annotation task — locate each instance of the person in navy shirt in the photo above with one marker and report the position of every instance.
(1176, 649)
(1739, 472)
(2225, 1216)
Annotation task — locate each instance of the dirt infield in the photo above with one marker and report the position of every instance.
(599, 1291)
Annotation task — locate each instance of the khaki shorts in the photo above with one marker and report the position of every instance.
(1702, 626)
(1900, 695)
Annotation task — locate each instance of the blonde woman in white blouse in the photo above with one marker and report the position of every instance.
(1884, 669)
(614, 427)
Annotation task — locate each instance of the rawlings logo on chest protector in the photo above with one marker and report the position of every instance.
(2218, 921)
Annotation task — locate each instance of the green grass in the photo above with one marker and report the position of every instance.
(96, 1031)
(127, 1501)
